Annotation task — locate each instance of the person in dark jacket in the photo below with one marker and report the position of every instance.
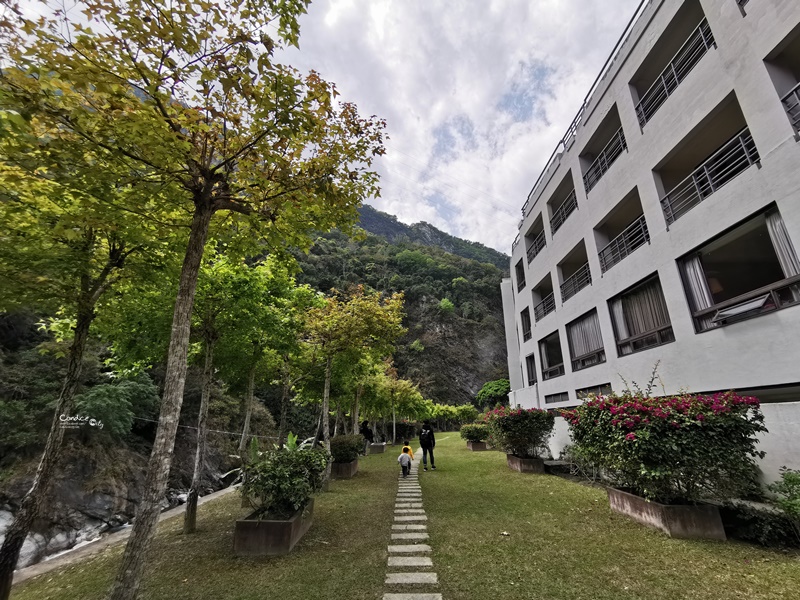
(369, 437)
(427, 442)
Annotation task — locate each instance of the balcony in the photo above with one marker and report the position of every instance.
(625, 243)
(791, 103)
(537, 245)
(605, 159)
(545, 307)
(576, 282)
(727, 162)
(699, 43)
(560, 215)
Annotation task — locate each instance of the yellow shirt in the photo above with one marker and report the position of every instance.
(410, 451)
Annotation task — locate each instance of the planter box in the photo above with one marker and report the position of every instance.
(377, 448)
(344, 470)
(253, 537)
(701, 522)
(525, 465)
(477, 446)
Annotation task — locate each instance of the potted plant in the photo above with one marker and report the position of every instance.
(476, 435)
(522, 434)
(280, 485)
(666, 456)
(344, 452)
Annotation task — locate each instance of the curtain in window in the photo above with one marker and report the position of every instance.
(644, 310)
(543, 355)
(697, 289)
(584, 335)
(618, 316)
(782, 243)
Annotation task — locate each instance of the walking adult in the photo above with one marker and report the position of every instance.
(369, 437)
(427, 441)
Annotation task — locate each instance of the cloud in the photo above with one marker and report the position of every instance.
(476, 94)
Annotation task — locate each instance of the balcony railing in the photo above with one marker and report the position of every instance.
(699, 43)
(515, 243)
(605, 159)
(562, 212)
(791, 102)
(545, 307)
(589, 360)
(553, 372)
(730, 160)
(520, 283)
(630, 239)
(537, 244)
(576, 282)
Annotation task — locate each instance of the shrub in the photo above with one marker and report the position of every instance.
(788, 490)
(475, 432)
(520, 432)
(281, 481)
(674, 448)
(346, 448)
(764, 527)
(494, 392)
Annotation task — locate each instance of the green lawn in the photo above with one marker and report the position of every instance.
(563, 544)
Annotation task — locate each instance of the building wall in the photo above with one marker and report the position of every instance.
(757, 352)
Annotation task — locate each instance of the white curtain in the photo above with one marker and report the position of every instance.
(640, 311)
(584, 335)
(783, 245)
(697, 289)
(619, 319)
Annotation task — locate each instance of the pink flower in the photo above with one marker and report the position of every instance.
(630, 437)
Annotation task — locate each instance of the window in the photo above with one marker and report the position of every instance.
(586, 341)
(520, 270)
(747, 271)
(604, 389)
(525, 317)
(530, 364)
(640, 318)
(552, 358)
(560, 397)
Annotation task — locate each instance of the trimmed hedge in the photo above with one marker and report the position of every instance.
(346, 448)
(475, 432)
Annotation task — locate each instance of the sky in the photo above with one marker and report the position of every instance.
(476, 94)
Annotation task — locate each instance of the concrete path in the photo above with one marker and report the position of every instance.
(104, 542)
(410, 574)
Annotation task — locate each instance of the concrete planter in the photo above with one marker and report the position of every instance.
(477, 446)
(267, 537)
(525, 465)
(377, 448)
(344, 470)
(686, 521)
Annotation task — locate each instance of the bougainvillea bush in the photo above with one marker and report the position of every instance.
(671, 449)
(475, 432)
(520, 432)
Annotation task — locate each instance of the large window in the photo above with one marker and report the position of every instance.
(551, 356)
(640, 318)
(530, 365)
(520, 272)
(586, 342)
(743, 273)
(559, 397)
(604, 389)
(525, 318)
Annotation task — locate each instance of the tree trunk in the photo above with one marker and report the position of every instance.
(32, 502)
(356, 407)
(394, 423)
(129, 575)
(190, 517)
(251, 385)
(284, 411)
(326, 425)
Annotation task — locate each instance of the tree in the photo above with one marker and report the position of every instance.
(187, 95)
(493, 392)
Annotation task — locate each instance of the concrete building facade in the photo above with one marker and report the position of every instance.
(665, 228)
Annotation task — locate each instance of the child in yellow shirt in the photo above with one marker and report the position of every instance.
(410, 451)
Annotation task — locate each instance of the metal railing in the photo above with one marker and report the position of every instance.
(605, 159)
(545, 307)
(553, 372)
(791, 102)
(520, 283)
(515, 243)
(576, 282)
(633, 236)
(537, 244)
(736, 155)
(562, 212)
(700, 41)
(589, 360)
(648, 339)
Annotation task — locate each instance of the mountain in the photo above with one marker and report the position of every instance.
(387, 226)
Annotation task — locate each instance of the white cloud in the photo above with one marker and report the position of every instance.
(476, 95)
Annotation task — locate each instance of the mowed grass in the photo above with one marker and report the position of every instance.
(343, 555)
(564, 543)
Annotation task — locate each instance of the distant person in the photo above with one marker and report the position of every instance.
(406, 446)
(369, 437)
(428, 442)
(405, 462)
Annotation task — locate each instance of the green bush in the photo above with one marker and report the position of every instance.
(520, 432)
(769, 528)
(493, 392)
(281, 481)
(788, 490)
(675, 448)
(475, 432)
(346, 448)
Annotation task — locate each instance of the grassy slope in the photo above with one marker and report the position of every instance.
(565, 543)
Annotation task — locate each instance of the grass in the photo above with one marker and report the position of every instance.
(563, 543)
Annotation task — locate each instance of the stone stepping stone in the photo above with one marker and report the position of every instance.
(408, 527)
(416, 535)
(409, 511)
(411, 518)
(408, 505)
(405, 548)
(410, 561)
(411, 578)
(412, 597)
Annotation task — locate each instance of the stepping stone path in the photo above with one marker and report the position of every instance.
(410, 575)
